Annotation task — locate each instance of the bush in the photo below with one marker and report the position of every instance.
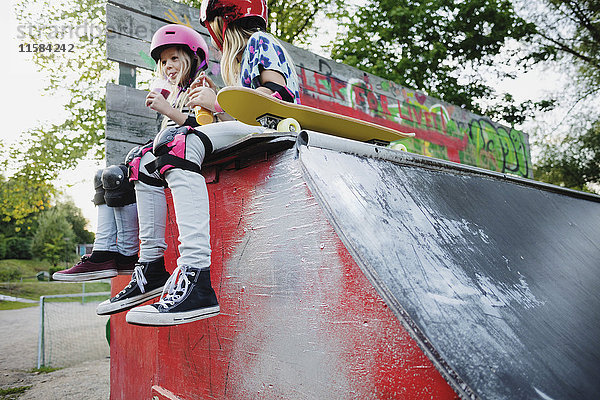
(2, 247)
(18, 248)
(9, 273)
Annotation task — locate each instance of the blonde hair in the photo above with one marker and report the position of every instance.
(179, 97)
(234, 44)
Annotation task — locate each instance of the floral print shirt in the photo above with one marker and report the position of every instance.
(265, 52)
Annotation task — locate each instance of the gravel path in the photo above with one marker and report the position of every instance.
(18, 355)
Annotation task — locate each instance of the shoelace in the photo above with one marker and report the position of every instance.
(175, 287)
(137, 276)
(84, 258)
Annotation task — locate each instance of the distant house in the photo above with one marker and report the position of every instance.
(83, 249)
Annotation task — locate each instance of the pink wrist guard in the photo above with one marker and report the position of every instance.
(218, 107)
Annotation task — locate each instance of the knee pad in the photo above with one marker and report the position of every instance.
(169, 149)
(133, 160)
(98, 188)
(118, 191)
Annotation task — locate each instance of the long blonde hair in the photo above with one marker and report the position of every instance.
(234, 44)
(179, 97)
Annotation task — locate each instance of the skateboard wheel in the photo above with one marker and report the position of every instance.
(398, 146)
(288, 125)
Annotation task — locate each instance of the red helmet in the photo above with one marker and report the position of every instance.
(179, 35)
(232, 10)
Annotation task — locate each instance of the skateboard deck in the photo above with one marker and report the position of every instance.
(255, 108)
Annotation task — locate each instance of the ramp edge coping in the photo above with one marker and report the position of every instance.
(328, 142)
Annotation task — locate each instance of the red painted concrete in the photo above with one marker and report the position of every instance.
(298, 317)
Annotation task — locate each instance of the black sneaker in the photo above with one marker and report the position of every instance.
(147, 281)
(189, 297)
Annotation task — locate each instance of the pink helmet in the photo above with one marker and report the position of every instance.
(179, 35)
(230, 11)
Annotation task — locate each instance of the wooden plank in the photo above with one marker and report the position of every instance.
(128, 121)
(166, 10)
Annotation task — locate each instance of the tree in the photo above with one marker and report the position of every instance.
(567, 38)
(440, 47)
(54, 239)
(573, 164)
(77, 221)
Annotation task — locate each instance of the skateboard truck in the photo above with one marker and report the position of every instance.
(279, 124)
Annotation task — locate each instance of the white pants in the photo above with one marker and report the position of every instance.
(190, 199)
(117, 229)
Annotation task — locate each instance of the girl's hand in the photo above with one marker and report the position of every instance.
(158, 103)
(204, 81)
(204, 97)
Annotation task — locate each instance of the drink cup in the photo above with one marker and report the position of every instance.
(162, 86)
(203, 116)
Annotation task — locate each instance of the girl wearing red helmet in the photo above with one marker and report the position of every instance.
(251, 58)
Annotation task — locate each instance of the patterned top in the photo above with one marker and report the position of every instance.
(265, 52)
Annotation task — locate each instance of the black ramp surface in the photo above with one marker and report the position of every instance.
(501, 279)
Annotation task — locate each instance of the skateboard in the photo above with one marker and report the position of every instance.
(254, 108)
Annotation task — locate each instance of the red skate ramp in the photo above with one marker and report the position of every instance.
(347, 271)
(498, 277)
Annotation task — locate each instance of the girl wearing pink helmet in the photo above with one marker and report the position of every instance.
(251, 58)
(181, 55)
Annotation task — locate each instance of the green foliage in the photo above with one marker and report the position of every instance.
(82, 75)
(22, 197)
(293, 21)
(437, 46)
(78, 222)
(54, 239)
(13, 391)
(3, 247)
(568, 38)
(9, 273)
(575, 163)
(18, 248)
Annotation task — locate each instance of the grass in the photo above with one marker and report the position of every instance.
(13, 393)
(43, 370)
(28, 268)
(15, 305)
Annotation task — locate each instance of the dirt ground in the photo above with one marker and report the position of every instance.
(89, 380)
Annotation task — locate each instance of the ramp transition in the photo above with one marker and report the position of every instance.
(497, 277)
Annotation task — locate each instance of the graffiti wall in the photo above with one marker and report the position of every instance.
(441, 130)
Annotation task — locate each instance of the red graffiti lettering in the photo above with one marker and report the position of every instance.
(305, 85)
(417, 113)
(384, 104)
(408, 116)
(319, 86)
(372, 100)
(359, 95)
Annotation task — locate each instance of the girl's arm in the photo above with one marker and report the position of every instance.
(269, 75)
(158, 103)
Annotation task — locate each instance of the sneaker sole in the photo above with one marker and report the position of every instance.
(136, 317)
(84, 276)
(118, 306)
(124, 271)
